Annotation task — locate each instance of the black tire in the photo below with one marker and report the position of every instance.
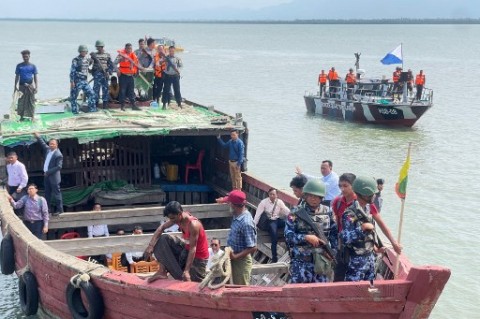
(75, 304)
(7, 255)
(28, 293)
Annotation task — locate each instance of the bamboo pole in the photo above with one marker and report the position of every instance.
(400, 223)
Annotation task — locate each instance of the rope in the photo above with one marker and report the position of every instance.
(220, 268)
(77, 279)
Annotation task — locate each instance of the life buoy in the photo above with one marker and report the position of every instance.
(75, 303)
(7, 255)
(28, 293)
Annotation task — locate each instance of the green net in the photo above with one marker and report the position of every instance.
(79, 195)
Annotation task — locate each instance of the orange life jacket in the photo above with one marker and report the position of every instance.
(420, 79)
(126, 66)
(332, 75)
(159, 66)
(322, 78)
(350, 78)
(396, 76)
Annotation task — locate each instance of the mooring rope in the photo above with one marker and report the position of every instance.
(220, 268)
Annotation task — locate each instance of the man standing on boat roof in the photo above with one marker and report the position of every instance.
(334, 82)
(322, 82)
(78, 80)
(160, 66)
(236, 151)
(172, 78)
(351, 80)
(127, 68)
(144, 58)
(102, 70)
(26, 81)
(311, 255)
(185, 259)
(358, 233)
(52, 177)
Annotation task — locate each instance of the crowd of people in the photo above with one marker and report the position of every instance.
(331, 83)
(159, 70)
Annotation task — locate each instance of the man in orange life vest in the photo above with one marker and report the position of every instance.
(127, 68)
(420, 82)
(334, 81)
(159, 67)
(322, 82)
(397, 86)
(351, 80)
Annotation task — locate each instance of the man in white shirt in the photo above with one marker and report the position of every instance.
(99, 231)
(134, 256)
(329, 178)
(214, 252)
(276, 211)
(17, 176)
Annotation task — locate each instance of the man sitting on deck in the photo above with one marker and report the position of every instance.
(185, 259)
(99, 231)
(133, 256)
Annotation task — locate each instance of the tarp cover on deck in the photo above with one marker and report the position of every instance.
(104, 124)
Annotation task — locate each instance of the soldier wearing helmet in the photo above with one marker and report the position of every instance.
(357, 236)
(303, 243)
(102, 70)
(78, 80)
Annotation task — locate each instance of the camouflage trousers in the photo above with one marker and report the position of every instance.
(82, 85)
(361, 268)
(303, 272)
(100, 82)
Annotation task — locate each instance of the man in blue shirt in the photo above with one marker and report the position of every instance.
(236, 151)
(26, 82)
(242, 238)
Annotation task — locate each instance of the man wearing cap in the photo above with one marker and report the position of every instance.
(78, 80)
(102, 70)
(242, 238)
(236, 150)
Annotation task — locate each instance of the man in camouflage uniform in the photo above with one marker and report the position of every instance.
(78, 80)
(102, 70)
(358, 236)
(302, 240)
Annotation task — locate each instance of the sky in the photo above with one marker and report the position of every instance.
(238, 9)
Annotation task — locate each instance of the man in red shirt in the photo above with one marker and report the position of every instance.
(185, 259)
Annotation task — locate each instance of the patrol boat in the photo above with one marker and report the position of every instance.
(372, 101)
(107, 147)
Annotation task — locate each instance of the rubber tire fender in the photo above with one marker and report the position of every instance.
(75, 303)
(28, 293)
(7, 255)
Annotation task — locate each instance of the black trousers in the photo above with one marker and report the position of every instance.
(127, 89)
(419, 91)
(169, 81)
(157, 88)
(52, 189)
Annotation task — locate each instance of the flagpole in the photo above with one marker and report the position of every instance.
(400, 223)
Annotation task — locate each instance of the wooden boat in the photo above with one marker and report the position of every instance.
(67, 286)
(372, 101)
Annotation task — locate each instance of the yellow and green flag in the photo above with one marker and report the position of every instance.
(401, 185)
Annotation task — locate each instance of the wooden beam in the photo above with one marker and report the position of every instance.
(104, 245)
(275, 268)
(133, 215)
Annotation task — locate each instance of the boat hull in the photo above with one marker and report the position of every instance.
(412, 295)
(392, 114)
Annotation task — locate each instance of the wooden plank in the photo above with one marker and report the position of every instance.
(133, 216)
(104, 245)
(276, 268)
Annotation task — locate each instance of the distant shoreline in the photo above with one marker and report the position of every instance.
(299, 21)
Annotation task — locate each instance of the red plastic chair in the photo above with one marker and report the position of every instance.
(70, 235)
(196, 166)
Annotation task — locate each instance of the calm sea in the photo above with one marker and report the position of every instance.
(263, 71)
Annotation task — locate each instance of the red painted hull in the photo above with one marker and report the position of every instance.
(412, 295)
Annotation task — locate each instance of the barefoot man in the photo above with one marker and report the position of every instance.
(184, 258)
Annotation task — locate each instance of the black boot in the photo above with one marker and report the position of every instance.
(164, 106)
(135, 108)
(122, 107)
(105, 105)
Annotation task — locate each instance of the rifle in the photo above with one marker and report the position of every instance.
(363, 218)
(303, 215)
(123, 55)
(97, 61)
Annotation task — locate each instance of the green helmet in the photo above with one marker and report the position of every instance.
(82, 48)
(99, 43)
(314, 187)
(365, 186)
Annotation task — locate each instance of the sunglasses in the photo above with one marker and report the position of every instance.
(214, 245)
